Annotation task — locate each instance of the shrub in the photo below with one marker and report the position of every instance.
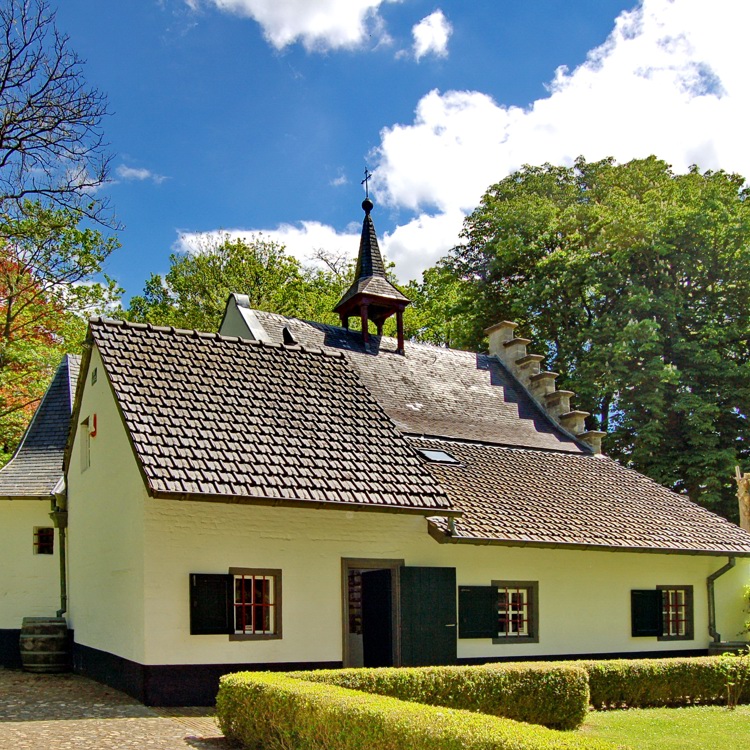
(552, 695)
(277, 712)
(637, 683)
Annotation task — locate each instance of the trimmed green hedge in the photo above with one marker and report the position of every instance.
(555, 696)
(274, 711)
(678, 681)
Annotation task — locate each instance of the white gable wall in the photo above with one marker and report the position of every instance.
(584, 596)
(106, 544)
(29, 583)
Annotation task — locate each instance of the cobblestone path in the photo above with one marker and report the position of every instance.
(69, 712)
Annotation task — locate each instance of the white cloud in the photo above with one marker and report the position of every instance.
(318, 24)
(140, 174)
(431, 35)
(669, 80)
(301, 240)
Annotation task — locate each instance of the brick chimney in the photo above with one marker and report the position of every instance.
(511, 351)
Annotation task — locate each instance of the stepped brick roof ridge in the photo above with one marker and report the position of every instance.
(37, 465)
(517, 496)
(215, 417)
(435, 391)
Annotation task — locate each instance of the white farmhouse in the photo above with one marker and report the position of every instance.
(286, 494)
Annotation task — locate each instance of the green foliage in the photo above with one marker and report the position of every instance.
(47, 266)
(554, 696)
(635, 283)
(276, 712)
(194, 292)
(638, 683)
(736, 670)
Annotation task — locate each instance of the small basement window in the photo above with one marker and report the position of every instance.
(44, 540)
(437, 457)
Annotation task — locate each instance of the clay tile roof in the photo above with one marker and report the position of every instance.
(218, 417)
(435, 391)
(517, 496)
(36, 466)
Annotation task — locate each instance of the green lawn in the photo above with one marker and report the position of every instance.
(695, 728)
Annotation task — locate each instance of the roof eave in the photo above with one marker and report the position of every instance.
(443, 538)
(302, 503)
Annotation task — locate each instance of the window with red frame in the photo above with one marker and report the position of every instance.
(255, 604)
(517, 611)
(676, 612)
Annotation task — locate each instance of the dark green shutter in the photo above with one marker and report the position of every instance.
(646, 613)
(211, 604)
(477, 612)
(427, 599)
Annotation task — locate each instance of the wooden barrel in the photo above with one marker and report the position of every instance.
(44, 644)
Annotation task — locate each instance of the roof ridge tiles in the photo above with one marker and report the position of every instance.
(195, 333)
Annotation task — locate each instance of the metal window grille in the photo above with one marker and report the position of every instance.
(513, 612)
(44, 541)
(254, 605)
(674, 612)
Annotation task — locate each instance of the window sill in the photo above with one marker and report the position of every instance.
(515, 639)
(251, 637)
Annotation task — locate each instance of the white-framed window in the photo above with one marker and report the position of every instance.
(507, 612)
(244, 603)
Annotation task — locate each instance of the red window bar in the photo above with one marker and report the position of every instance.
(512, 612)
(674, 612)
(44, 541)
(254, 605)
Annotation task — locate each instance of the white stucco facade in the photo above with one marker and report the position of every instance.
(105, 534)
(584, 596)
(29, 582)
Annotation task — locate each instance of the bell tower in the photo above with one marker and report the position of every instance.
(372, 296)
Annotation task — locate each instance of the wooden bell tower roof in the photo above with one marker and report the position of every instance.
(372, 296)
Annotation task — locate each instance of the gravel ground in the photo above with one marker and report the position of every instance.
(57, 712)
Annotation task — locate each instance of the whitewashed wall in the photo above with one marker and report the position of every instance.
(584, 597)
(106, 541)
(29, 583)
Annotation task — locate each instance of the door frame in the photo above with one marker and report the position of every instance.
(371, 563)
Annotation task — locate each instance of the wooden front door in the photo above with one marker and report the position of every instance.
(427, 598)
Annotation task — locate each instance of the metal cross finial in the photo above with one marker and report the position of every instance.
(366, 182)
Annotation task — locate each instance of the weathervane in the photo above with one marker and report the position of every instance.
(366, 182)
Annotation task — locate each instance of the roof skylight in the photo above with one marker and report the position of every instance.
(438, 457)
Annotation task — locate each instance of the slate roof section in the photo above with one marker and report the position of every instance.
(228, 419)
(37, 465)
(436, 392)
(515, 496)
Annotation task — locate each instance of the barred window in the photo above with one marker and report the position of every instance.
(44, 540)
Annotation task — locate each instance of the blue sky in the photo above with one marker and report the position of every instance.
(247, 116)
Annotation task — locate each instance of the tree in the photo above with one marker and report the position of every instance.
(194, 291)
(47, 262)
(51, 143)
(636, 283)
